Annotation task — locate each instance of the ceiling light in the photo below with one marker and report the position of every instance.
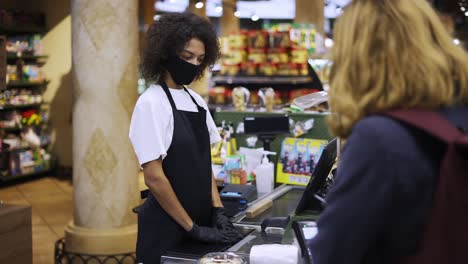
(237, 13)
(219, 9)
(462, 8)
(199, 4)
(456, 41)
(255, 18)
(156, 17)
(466, 13)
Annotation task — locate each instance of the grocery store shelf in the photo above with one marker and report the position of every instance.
(26, 84)
(18, 176)
(14, 56)
(11, 129)
(25, 148)
(17, 129)
(261, 79)
(13, 30)
(10, 107)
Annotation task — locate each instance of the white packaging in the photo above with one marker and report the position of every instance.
(264, 175)
(253, 158)
(274, 254)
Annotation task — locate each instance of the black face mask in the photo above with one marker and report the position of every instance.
(182, 72)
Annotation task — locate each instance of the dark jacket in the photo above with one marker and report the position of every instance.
(382, 194)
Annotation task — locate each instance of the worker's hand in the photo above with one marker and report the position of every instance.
(211, 234)
(219, 218)
(222, 222)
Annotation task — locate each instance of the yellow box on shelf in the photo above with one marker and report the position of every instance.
(297, 160)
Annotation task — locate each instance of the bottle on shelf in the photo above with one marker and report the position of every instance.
(264, 174)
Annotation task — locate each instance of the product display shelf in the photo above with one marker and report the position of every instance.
(18, 176)
(11, 129)
(17, 129)
(279, 80)
(16, 30)
(14, 56)
(24, 161)
(24, 148)
(26, 84)
(25, 106)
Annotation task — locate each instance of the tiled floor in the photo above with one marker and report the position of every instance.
(52, 209)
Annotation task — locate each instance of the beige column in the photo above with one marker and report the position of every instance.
(229, 22)
(104, 61)
(310, 11)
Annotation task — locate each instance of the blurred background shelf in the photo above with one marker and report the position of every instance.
(25, 106)
(16, 30)
(26, 84)
(23, 148)
(265, 80)
(12, 56)
(18, 176)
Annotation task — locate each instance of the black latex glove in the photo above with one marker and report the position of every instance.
(210, 234)
(222, 222)
(219, 218)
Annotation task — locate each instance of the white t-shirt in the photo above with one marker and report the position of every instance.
(152, 124)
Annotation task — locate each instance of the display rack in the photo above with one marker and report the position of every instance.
(12, 57)
(26, 84)
(264, 80)
(25, 106)
(13, 30)
(23, 161)
(25, 175)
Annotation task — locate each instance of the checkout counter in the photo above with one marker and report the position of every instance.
(284, 204)
(270, 218)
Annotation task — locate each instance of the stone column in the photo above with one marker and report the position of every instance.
(228, 21)
(311, 11)
(104, 61)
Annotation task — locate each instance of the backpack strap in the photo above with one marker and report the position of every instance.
(431, 122)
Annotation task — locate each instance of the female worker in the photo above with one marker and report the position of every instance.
(171, 131)
(388, 54)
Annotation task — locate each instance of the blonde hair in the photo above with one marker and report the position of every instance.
(392, 54)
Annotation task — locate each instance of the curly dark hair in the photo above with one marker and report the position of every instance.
(168, 35)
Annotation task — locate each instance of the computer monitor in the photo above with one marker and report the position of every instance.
(266, 127)
(311, 201)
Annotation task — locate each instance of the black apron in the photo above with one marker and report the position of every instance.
(187, 166)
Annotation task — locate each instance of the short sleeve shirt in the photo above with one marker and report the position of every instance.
(152, 124)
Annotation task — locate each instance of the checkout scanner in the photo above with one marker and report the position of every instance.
(290, 218)
(236, 197)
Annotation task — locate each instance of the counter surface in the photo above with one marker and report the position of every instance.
(282, 206)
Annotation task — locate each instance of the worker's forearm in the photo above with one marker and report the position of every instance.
(214, 193)
(164, 194)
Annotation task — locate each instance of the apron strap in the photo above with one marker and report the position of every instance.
(193, 99)
(168, 94)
